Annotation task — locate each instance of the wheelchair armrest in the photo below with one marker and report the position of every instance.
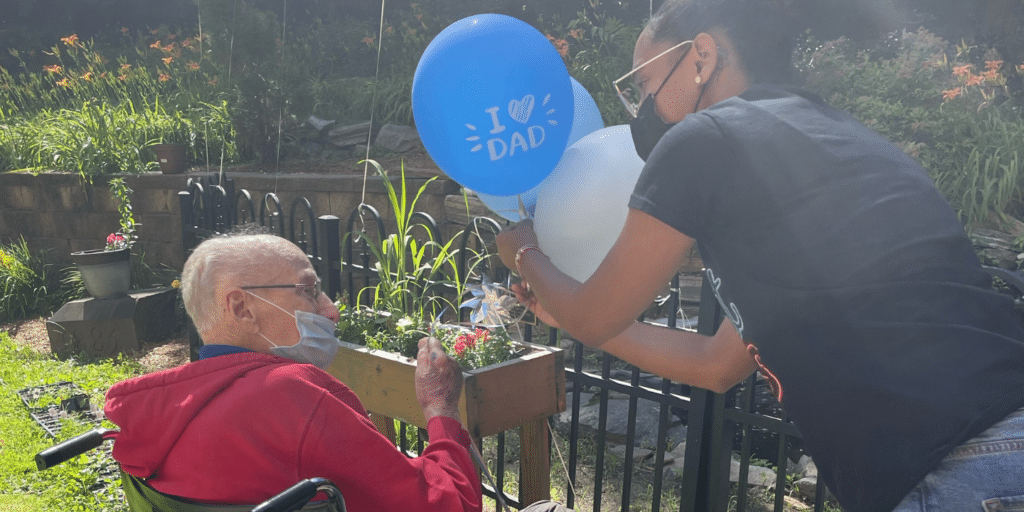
(73, 447)
(298, 495)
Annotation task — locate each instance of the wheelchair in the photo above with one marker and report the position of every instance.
(143, 498)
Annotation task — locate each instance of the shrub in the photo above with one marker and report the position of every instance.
(28, 285)
(921, 93)
(92, 115)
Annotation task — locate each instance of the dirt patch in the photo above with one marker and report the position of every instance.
(153, 356)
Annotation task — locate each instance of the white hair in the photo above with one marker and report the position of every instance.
(220, 262)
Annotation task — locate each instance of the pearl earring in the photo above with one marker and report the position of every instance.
(697, 79)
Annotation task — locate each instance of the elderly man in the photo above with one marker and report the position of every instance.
(251, 417)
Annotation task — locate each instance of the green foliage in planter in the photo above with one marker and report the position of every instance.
(476, 348)
(407, 300)
(29, 286)
(920, 92)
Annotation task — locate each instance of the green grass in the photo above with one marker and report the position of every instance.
(65, 487)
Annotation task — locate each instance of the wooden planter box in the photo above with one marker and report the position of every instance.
(495, 398)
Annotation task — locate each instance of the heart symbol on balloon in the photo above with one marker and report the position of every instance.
(520, 109)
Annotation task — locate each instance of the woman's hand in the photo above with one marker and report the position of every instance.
(514, 237)
(526, 297)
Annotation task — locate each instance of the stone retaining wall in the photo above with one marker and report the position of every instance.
(56, 211)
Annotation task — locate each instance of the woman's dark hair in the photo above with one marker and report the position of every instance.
(758, 29)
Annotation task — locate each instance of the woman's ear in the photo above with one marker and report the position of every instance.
(705, 50)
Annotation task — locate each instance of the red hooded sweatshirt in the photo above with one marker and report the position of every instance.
(239, 428)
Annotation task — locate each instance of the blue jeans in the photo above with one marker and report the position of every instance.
(985, 474)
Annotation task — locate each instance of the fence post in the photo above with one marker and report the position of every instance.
(329, 253)
(188, 235)
(703, 473)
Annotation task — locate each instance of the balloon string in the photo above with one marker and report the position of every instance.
(280, 112)
(369, 133)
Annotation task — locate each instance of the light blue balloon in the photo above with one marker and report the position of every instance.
(586, 119)
(493, 104)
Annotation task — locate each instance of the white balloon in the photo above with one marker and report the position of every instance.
(582, 205)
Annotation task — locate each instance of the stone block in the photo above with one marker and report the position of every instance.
(107, 327)
(18, 197)
(320, 200)
(159, 255)
(15, 223)
(48, 224)
(342, 204)
(57, 249)
(72, 199)
(158, 228)
(95, 226)
(152, 200)
(105, 202)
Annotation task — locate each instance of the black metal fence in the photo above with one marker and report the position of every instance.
(718, 425)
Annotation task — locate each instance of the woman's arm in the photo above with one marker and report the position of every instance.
(645, 257)
(716, 362)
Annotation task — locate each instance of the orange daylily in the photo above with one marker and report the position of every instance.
(964, 70)
(71, 40)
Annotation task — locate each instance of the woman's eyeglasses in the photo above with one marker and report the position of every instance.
(631, 93)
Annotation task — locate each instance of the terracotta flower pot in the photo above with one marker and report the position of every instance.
(106, 274)
(171, 157)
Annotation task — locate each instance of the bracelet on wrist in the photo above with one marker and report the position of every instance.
(522, 252)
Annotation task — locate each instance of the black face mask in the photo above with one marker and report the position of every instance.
(647, 128)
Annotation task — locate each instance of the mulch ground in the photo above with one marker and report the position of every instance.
(153, 356)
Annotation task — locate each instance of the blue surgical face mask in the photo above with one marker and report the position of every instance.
(317, 344)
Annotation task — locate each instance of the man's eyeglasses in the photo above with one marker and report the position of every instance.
(309, 291)
(630, 92)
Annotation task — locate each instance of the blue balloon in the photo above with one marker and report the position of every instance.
(493, 104)
(586, 119)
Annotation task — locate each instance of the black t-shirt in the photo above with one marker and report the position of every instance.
(835, 256)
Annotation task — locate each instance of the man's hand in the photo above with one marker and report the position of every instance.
(438, 380)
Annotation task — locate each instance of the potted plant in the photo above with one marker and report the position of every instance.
(106, 273)
(172, 151)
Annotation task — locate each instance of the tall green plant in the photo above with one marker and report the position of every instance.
(408, 268)
(29, 285)
(93, 115)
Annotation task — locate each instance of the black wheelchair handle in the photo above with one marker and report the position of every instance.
(293, 498)
(73, 447)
